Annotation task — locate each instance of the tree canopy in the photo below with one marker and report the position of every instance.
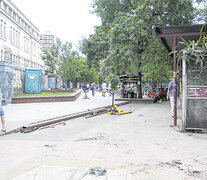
(125, 42)
(62, 60)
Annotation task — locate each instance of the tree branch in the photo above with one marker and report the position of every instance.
(130, 3)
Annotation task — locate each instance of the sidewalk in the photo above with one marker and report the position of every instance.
(18, 115)
(140, 145)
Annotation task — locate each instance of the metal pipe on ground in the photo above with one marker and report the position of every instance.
(37, 125)
(48, 122)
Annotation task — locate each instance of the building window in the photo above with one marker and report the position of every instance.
(5, 7)
(12, 58)
(18, 40)
(4, 30)
(2, 55)
(26, 26)
(14, 39)
(14, 16)
(6, 56)
(18, 61)
(22, 23)
(26, 63)
(11, 39)
(21, 62)
(18, 19)
(10, 12)
(26, 44)
(1, 29)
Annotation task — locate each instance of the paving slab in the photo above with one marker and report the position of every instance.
(18, 115)
(68, 173)
(142, 144)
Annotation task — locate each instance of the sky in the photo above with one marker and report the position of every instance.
(69, 20)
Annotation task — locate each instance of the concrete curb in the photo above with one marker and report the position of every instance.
(135, 100)
(37, 99)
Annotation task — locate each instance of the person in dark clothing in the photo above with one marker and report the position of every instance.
(161, 95)
(93, 88)
(85, 90)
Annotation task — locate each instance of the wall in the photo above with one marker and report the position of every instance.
(196, 109)
(7, 81)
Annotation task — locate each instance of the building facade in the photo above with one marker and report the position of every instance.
(48, 39)
(20, 44)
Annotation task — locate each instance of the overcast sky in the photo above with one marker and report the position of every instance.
(69, 20)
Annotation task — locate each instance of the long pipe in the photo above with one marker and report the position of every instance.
(175, 83)
(184, 93)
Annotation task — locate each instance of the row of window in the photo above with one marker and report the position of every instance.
(34, 49)
(49, 37)
(47, 41)
(26, 44)
(17, 61)
(14, 37)
(2, 29)
(17, 18)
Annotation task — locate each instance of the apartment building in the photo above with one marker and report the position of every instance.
(48, 39)
(20, 44)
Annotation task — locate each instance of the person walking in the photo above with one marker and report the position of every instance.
(170, 95)
(93, 88)
(104, 89)
(2, 114)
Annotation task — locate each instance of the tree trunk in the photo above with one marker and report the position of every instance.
(112, 107)
(113, 98)
(139, 85)
(75, 82)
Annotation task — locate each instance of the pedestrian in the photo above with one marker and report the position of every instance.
(104, 89)
(170, 95)
(2, 114)
(109, 88)
(93, 88)
(122, 90)
(134, 91)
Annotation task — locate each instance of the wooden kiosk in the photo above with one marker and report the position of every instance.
(194, 83)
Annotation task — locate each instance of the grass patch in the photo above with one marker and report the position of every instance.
(44, 94)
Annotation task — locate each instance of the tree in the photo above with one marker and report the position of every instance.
(158, 66)
(201, 13)
(95, 48)
(50, 56)
(128, 31)
(160, 12)
(69, 62)
(88, 75)
(61, 60)
(114, 79)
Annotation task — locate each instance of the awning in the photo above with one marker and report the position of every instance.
(168, 33)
